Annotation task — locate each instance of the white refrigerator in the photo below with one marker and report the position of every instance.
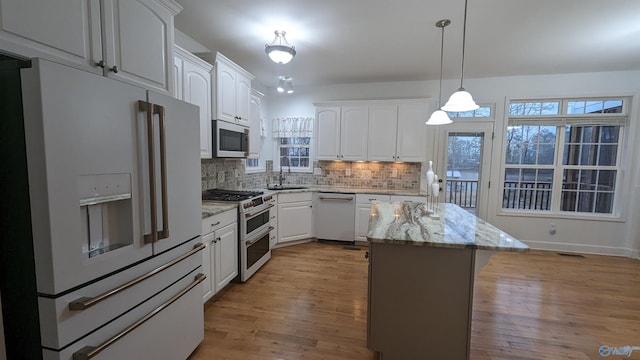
(114, 197)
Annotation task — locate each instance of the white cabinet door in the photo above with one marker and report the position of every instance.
(178, 89)
(254, 126)
(208, 285)
(226, 255)
(412, 131)
(353, 132)
(243, 97)
(294, 221)
(66, 31)
(197, 91)
(383, 123)
(328, 133)
(362, 221)
(138, 42)
(226, 92)
(273, 221)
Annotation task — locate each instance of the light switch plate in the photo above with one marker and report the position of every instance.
(347, 172)
(317, 171)
(394, 173)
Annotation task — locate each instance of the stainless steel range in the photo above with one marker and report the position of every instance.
(253, 218)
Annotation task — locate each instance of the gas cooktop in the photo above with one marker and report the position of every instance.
(229, 195)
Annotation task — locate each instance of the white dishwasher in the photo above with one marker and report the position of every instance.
(335, 216)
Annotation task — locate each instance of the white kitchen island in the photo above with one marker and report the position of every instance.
(421, 275)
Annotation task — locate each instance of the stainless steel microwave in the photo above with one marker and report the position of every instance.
(230, 140)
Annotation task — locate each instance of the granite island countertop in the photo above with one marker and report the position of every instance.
(410, 223)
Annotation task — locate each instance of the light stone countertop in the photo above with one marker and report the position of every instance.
(410, 223)
(316, 188)
(214, 208)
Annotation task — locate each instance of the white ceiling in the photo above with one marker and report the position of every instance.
(358, 41)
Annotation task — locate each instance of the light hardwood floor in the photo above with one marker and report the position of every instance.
(310, 302)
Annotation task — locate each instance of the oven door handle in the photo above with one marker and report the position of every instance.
(251, 242)
(259, 212)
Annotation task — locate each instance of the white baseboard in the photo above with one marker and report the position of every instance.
(583, 248)
(290, 243)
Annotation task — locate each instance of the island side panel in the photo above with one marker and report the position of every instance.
(420, 301)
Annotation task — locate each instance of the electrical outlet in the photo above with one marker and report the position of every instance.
(236, 172)
(552, 229)
(220, 176)
(394, 173)
(347, 172)
(317, 171)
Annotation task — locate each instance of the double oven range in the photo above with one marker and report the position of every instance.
(253, 221)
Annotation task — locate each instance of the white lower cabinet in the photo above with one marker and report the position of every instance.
(363, 209)
(220, 256)
(273, 221)
(295, 216)
(408, 198)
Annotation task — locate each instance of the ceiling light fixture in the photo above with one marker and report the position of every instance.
(440, 117)
(280, 52)
(285, 85)
(461, 100)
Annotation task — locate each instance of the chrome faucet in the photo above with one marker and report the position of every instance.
(281, 177)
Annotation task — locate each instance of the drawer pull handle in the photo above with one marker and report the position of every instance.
(89, 352)
(338, 199)
(216, 224)
(87, 302)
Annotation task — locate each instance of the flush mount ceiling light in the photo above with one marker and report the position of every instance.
(440, 117)
(284, 85)
(280, 52)
(461, 100)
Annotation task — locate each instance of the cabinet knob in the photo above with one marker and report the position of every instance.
(100, 64)
(217, 239)
(114, 69)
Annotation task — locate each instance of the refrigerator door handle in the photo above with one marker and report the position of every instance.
(158, 109)
(147, 107)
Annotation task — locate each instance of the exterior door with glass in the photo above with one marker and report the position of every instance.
(467, 160)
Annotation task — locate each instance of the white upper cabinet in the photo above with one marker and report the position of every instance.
(381, 130)
(193, 85)
(328, 133)
(397, 132)
(255, 114)
(233, 91)
(342, 133)
(130, 40)
(383, 125)
(412, 132)
(354, 126)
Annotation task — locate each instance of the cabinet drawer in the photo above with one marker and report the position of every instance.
(365, 198)
(213, 223)
(409, 198)
(295, 197)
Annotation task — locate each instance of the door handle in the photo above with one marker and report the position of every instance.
(158, 109)
(147, 107)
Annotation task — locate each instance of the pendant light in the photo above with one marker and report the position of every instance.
(461, 100)
(280, 52)
(440, 117)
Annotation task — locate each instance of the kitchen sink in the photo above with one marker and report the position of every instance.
(286, 187)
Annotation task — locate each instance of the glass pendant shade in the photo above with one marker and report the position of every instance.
(280, 87)
(280, 52)
(460, 101)
(439, 117)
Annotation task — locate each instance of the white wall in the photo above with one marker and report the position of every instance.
(620, 237)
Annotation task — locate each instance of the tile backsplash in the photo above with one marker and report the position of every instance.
(229, 174)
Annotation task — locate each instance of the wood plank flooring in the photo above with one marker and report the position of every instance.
(310, 302)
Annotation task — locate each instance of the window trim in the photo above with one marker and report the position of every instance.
(276, 158)
(623, 119)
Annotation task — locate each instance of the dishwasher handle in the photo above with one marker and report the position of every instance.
(335, 198)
